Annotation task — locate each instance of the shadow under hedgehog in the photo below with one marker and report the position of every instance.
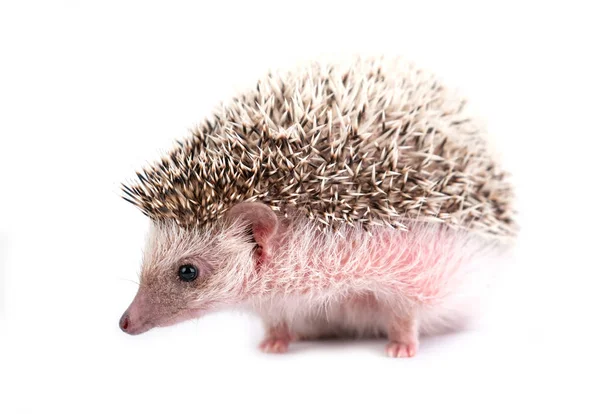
(351, 199)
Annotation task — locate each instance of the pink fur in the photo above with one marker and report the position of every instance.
(353, 283)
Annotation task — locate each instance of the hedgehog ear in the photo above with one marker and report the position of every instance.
(260, 217)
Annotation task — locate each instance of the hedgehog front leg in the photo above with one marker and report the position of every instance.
(403, 334)
(277, 339)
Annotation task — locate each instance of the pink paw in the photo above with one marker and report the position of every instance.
(274, 345)
(401, 349)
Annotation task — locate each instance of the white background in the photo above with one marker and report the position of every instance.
(91, 91)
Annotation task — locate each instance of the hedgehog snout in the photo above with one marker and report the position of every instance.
(131, 326)
(135, 319)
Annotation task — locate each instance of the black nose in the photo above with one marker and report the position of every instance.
(124, 322)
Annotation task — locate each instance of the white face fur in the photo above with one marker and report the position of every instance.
(186, 272)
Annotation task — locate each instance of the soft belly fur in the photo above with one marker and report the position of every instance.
(392, 283)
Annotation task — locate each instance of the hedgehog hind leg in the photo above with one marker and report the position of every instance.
(403, 336)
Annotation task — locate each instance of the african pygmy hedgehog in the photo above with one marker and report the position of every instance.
(336, 200)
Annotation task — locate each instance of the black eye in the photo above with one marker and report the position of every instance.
(187, 273)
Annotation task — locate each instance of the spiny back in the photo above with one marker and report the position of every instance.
(373, 142)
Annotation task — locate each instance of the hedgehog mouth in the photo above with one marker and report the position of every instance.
(182, 316)
(145, 327)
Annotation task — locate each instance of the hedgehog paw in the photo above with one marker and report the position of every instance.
(274, 345)
(401, 349)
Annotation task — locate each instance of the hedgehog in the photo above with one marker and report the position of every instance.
(347, 199)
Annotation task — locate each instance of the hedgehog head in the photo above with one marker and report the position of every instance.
(188, 271)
